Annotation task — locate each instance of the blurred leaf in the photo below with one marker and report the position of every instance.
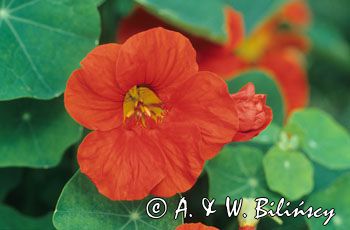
(289, 173)
(325, 177)
(322, 138)
(11, 219)
(337, 197)
(81, 206)
(9, 179)
(264, 84)
(255, 12)
(35, 133)
(269, 136)
(42, 42)
(329, 42)
(237, 172)
(198, 18)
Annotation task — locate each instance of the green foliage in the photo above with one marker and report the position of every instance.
(269, 136)
(322, 138)
(9, 179)
(81, 206)
(288, 172)
(201, 19)
(337, 197)
(41, 131)
(11, 219)
(237, 172)
(264, 84)
(42, 42)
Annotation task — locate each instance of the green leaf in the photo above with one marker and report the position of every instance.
(322, 138)
(35, 133)
(42, 42)
(12, 219)
(264, 84)
(237, 172)
(81, 206)
(289, 173)
(255, 12)
(269, 136)
(337, 197)
(9, 179)
(201, 19)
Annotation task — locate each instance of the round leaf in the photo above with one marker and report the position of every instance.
(337, 197)
(205, 20)
(264, 84)
(42, 42)
(35, 133)
(289, 173)
(81, 206)
(237, 172)
(323, 139)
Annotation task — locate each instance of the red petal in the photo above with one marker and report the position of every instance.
(92, 95)
(180, 157)
(196, 226)
(204, 100)
(297, 12)
(124, 165)
(159, 58)
(254, 115)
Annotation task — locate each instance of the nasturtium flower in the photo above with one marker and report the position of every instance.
(275, 46)
(155, 117)
(195, 226)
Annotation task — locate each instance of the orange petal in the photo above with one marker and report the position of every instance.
(92, 96)
(196, 226)
(254, 115)
(297, 12)
(204, 100)
(180, 157)
(288, 70)
(160, 58)
(123, 164)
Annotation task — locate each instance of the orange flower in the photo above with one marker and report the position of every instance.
(196, 226)
(271, 47)
(254, 116)
(156, 119)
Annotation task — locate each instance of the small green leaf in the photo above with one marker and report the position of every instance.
(337, 197)
(9, 179)
(254, 12)
(201, 19)
(289, 173)
(12, 219)
(42, 42)
(323, 139)
(237, 172)
(81, 206)
(264, 84)
(269, 136)
(35, 133)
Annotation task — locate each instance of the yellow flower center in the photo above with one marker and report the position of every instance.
(143, 104)
(254, 47)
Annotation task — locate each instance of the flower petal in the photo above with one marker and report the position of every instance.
(92, 95)
(123, 164)
(286, 66)
(196, 226)
(180, 157)
(254, 115)
(159, 58)
(204, 100)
